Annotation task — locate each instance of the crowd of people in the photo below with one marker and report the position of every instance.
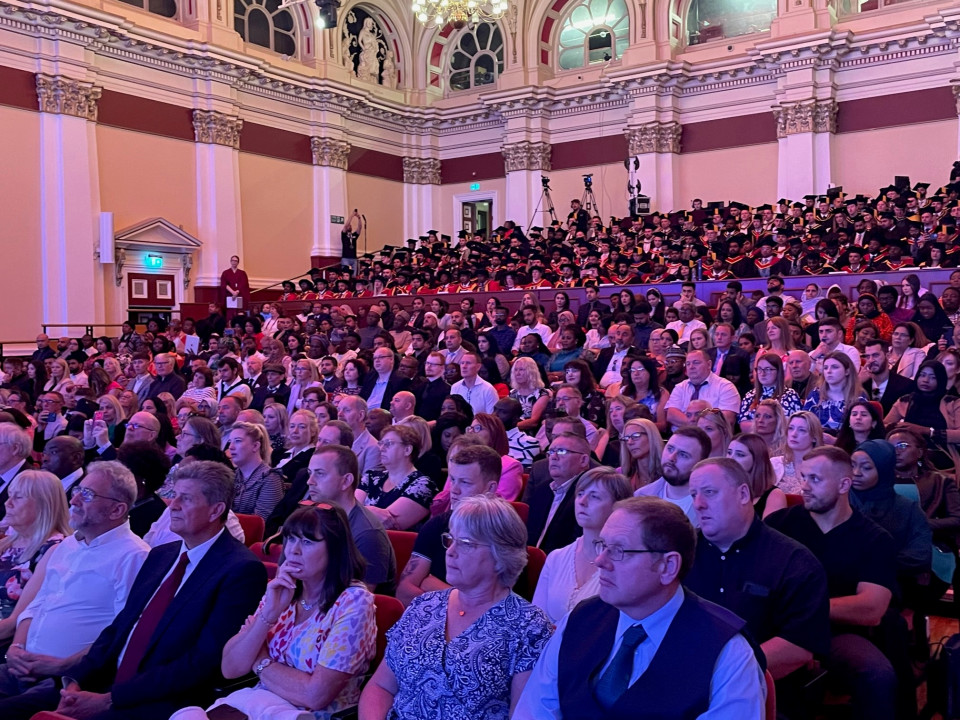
(767, 485)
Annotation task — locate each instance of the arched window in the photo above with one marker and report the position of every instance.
(263, 23)
(715, 19)
(595, 31)
(167, 8)
(477, 58)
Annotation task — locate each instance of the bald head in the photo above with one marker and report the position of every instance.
(143, 427)
(402, 405)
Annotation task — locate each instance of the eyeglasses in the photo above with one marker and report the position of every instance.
(474, 429)
(468, 545)
(563, 452)
(616, 552)
(88, 495)
(434, 363)
(390, 443)
(902, 445)
(632, 436)
(761, 369)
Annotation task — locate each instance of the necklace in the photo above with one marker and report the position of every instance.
(308, 606)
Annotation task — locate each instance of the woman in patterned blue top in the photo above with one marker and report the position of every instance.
(839, 387)
(466, 652)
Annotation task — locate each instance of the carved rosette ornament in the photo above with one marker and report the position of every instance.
(216, 128)
(654, 137)
(815, 117)
(65, 96)
(527, 156)
(328, 152)
(421, 171)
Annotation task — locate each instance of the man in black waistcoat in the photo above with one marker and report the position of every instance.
(620, 655)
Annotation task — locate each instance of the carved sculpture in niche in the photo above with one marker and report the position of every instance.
(364, 51)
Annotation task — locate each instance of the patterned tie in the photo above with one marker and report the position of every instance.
(149, 620)
(615, 681)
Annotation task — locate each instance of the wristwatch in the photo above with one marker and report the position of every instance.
(261, 666)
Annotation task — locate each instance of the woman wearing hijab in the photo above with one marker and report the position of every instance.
(868, 308)
(929, 411)
(931, 318)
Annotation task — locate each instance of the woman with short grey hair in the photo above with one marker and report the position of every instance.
(466, 651)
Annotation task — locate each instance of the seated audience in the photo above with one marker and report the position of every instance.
(641, 448)
(685, 448)
(399, 494)
(258, 486)
(749, 451)
(837, 389)
(552, 520)
(713, 422)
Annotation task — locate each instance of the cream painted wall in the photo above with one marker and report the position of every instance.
(277, 210)
(746, 174)
(609, 187)
(20, 229)
(144, 176)
(382, 202)
(865, 161)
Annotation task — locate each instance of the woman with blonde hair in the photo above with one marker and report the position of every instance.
(770, 423)
(804, 433)
(641, 447)
(59, 376)
(277, 422)
(170, 403)
(305, 375)
(258, 486)
(749, 450)
(130, 402)
(37, 519)
(528, 389)
(715, 425)
(616, 407)
(302, 435)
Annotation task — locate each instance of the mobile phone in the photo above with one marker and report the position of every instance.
(948, 334)
(51, 417)
(228, 332)
(98, 416)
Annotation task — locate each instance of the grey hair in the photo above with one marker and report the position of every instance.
(493, 520)
(609, 479)
(12, 435)
(215, 479)
(123, 486)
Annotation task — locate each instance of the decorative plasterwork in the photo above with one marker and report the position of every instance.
(217, 128)
(654, 137)
(526, 156)
(805, 117)
(956, 97)
(328, 152)
(421, 171)
(64, 96)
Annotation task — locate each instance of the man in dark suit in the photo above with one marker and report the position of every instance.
(275, 387)
(727, 360)
(382, 383)
(163, 651)
(883, 386)
(167, 379)
(431, 394)
(591, 303)
(606, 368)
(63, 456)
(552, 522)
(15, 447)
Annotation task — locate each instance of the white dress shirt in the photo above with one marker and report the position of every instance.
(85, 586)
(612, 373)
(737, 688)
(683, 329)
(543, 331)
(717, 391)
(160, 532)
(482, 396)
(658, 489)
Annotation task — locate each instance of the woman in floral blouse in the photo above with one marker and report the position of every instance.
(399, 494)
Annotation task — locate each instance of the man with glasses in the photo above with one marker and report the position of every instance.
(167, 380)
(619, 651)
(382, 383)
(86, 583)
(142, 427)
(569, 400)
(50, 421)
(473, 470)
(435, 390)
(552, 522)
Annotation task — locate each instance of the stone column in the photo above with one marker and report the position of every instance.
(525, 162)
(956, 96)
(656, 146)
(330, 158)
(804, 135)
(421, 195)
(72, 280)
(219, 223)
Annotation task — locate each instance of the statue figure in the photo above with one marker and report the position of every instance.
(369, 67)
(389, 71)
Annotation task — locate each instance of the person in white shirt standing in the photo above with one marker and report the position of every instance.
(86, 582)
(480, 394)
(687, 323)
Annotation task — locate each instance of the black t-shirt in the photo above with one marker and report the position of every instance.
(855, 551)
(428, 544)
(769, 580)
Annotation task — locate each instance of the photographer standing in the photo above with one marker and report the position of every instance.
(578, 216)
(348, 238)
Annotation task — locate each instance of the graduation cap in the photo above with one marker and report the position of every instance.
(809, 198)
(432, 232)
(463, 234)
(767, 240)
(738, 206)
(901, 183)
(715, 207)
(921, 186)
(783, 201)
(836, 191)
(761, 208)
(536, 229)
(445, 238)
(797, 206)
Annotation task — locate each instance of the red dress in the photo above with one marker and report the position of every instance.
(236, 279)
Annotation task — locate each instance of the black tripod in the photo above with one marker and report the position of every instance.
(589, 201)
(548, 207)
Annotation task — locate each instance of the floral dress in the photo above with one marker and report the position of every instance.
(829, 412)
(528, 401)
(789, 401)
(416, 486)
(16, 571)
(470, 676)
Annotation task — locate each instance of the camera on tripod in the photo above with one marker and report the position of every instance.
(588, 181)
(545, 181)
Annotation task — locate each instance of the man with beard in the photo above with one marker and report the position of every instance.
(686, 447)
(882, 385)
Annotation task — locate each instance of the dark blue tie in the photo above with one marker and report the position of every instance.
(615, 681)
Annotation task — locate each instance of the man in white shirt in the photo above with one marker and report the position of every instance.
(775, 289)
(480, 394)
(569, 399)
(687, 323)
(686, 447)
(831, 334)
(688, 295)
(86, 583)
(702, 384)
(75, 364)
(231, 382)
(530, 325)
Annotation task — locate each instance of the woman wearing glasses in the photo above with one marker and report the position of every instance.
(312, 639)
(569, 574)
(398, 494)
(770, 384)
(464, 652)
(640, 449)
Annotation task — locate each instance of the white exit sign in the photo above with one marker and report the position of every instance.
(336, 219)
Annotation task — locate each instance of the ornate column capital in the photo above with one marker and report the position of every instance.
(659, 137)
(817, 116)
(65, 96)
(217, 128)
(328, 152)
(421, 171)
(526, 155)
(956, 96)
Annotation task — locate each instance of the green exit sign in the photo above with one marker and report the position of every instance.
(154, 261)
(474, 186)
